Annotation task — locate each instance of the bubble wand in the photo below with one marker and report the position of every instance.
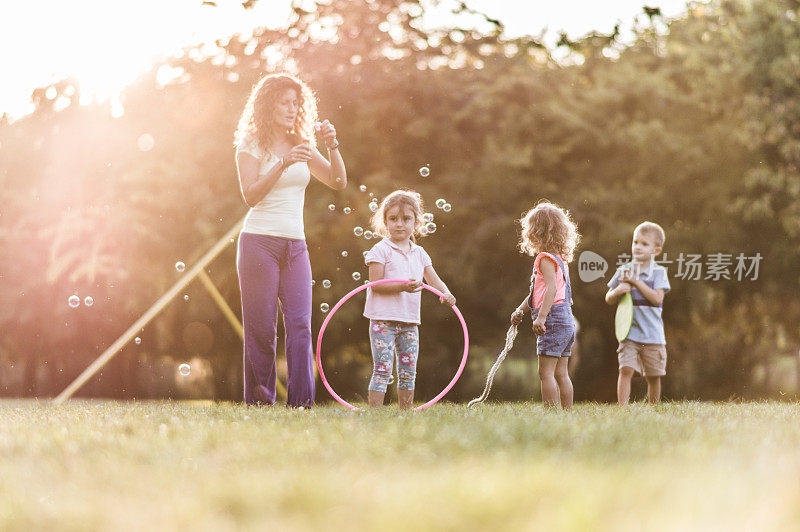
(510, 336)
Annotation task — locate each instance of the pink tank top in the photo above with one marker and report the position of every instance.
(539, 285)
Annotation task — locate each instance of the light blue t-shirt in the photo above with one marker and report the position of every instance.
(647, 326)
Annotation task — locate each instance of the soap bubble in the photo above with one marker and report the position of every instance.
(363, 188)
(331, 207)
(180, 266)
(326, 283)
(347, 210)
(358, 230)
(324, 307)
(364, 253)
(88, 301)
(430, 227)
(440, 203)
(137, 340)
(186, 297)
(424, 171)
(423, 231)
(74, 301)
(344, 253)
(313, 282)
(373, 207)
(367, 234)
(427, 217)
(356, 276)
(145, 142)
(184, 369)
(447, 207)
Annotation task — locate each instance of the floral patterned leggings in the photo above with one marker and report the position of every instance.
(387, 337)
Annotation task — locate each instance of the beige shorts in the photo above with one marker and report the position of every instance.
(650, 357)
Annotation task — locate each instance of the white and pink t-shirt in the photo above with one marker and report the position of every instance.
(539, 286)
(398, 264)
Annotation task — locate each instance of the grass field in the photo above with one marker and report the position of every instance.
(200, 466)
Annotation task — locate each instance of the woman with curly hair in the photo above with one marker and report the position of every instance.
(275, 158)
(550, 235)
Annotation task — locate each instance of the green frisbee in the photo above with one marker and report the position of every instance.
(624, 317)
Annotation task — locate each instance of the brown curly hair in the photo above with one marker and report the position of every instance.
(548, 227)
(258, 120)
(404, 198)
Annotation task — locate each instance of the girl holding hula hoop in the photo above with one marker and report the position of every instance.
(275, 158)
(394, 308)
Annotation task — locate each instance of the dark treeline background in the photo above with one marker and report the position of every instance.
(694, 125)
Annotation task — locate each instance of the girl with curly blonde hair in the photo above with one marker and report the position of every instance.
(550, 235)
(275, 158)
(394, 308)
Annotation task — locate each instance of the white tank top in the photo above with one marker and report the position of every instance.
(280, 212)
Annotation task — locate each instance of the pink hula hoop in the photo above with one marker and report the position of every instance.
(364, 287)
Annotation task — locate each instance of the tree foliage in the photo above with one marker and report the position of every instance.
(694, 125)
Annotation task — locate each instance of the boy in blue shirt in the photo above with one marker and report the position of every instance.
(644, 349)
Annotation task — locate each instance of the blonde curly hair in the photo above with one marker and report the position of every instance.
(404, 198)
(548, 227)
(258, 115)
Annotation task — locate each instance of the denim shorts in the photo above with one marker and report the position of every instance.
(557, 340)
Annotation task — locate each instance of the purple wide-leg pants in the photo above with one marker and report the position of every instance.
(273, 269)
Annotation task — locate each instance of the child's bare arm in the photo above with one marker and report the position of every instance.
(613, 294)
(433, 279)
(654, 296)
(376, 273)
(519, 312)
(548, 270)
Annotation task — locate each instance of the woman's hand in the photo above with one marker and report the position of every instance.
(413, 285)
(538, 326)
(448, 299)
(517, 316)
(298, 154)
(328, 133)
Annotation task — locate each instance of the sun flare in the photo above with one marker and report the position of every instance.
(105, 46)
